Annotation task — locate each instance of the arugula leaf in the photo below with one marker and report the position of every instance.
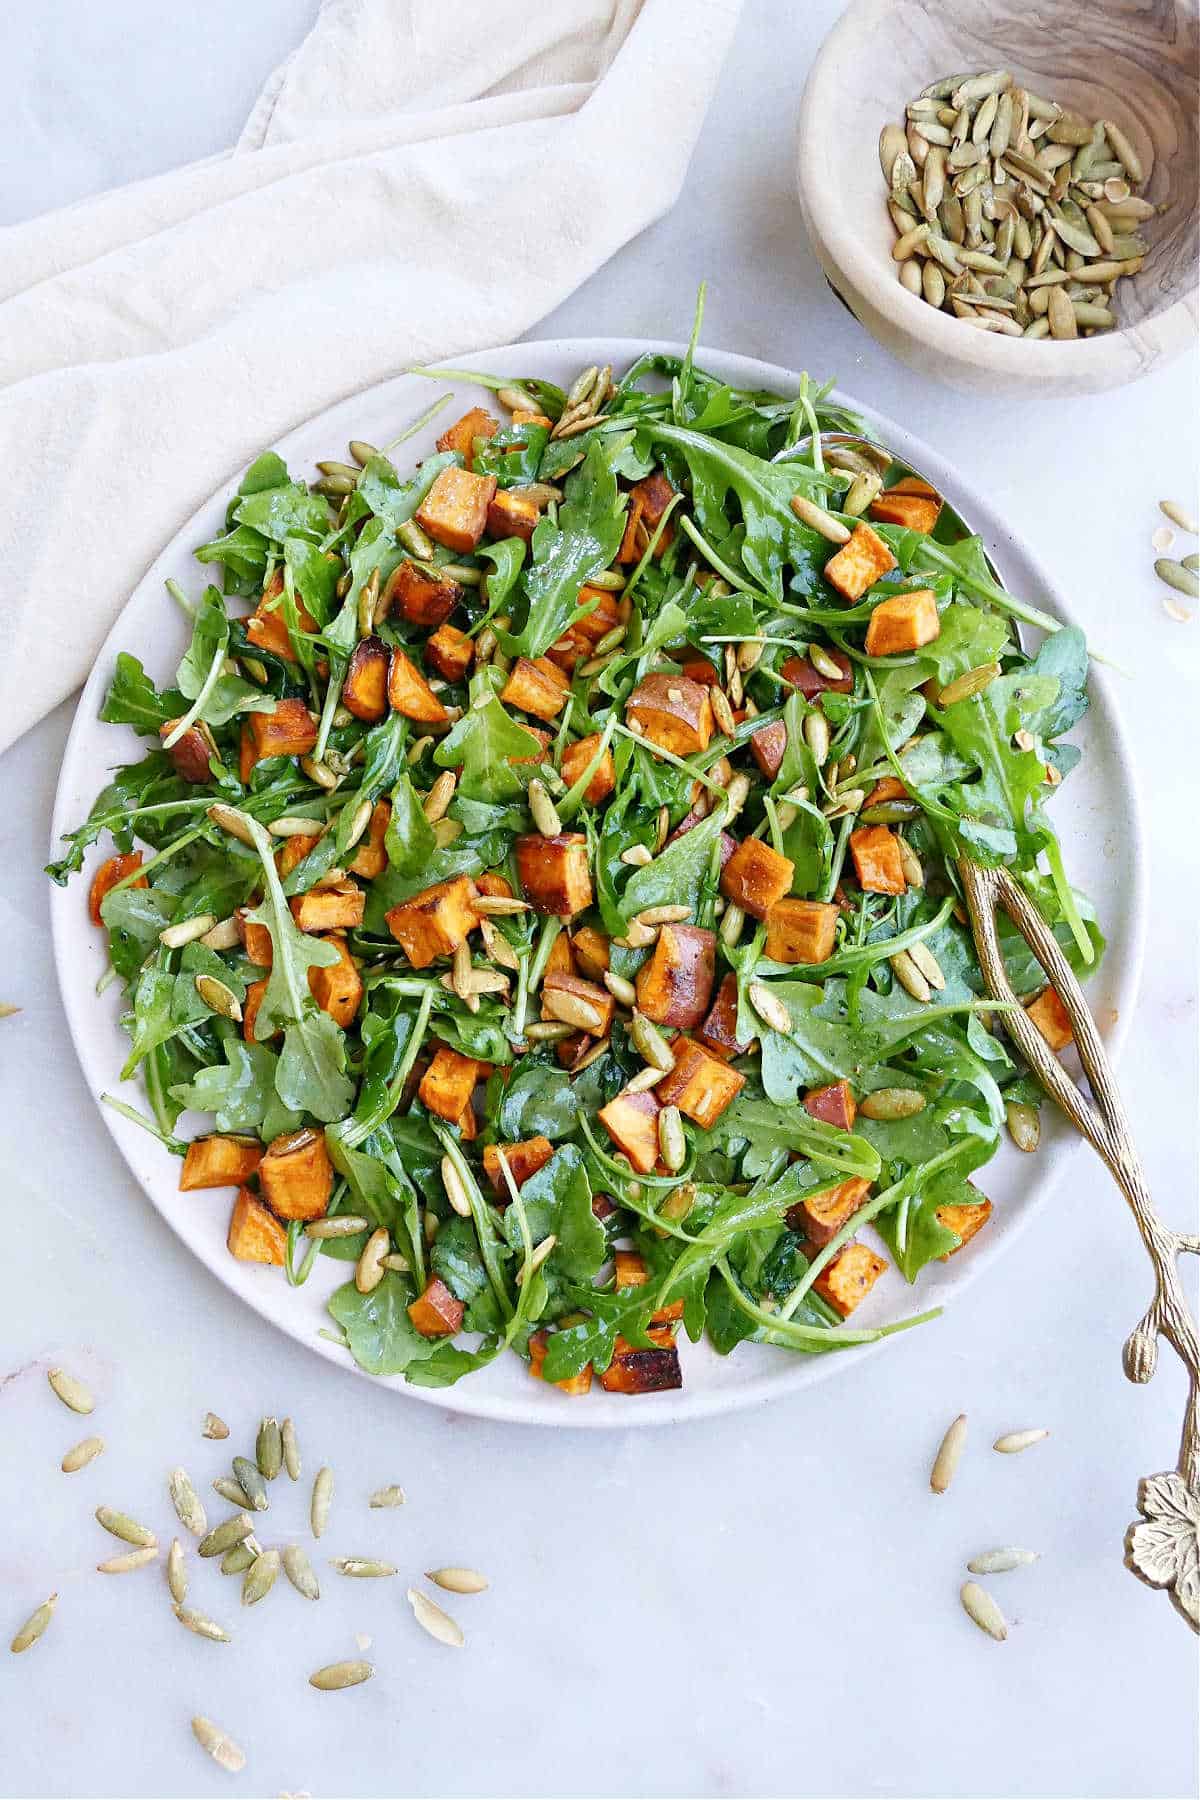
(766, 1129)
(283, 511)
(382, 1338)
(538, 1102)
(133, 699)
(558, 1201)
(485, 741)
(568, 551)
(229, 694)
(679, 874)
(240, 1091)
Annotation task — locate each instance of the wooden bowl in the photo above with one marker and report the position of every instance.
(1129, 60)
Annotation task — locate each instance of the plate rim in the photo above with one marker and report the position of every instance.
(683, 1405)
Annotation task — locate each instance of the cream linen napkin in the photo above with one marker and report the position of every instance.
(420, 177)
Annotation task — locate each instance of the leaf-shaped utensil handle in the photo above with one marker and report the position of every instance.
(1163, 1548)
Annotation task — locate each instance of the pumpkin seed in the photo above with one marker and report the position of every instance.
(438, 799)
(130, 1560)
(239, 1559)
(1124, 151)
(909, 976)
(816, 736)
(910, 863)
(123, 1527)
(368, 1271)
(34, 1625)
(224, 1536)
(340, 1675)
(722, 712)
(187, 1503)
(221, 1748)
(890, 1104)
(1191, 563)
(174, 937)
(322, 1494)
(949, 1455)
(1024, 1125)
(1000, 1562)
(622, 991)
(387, 1497)
(982, 1610)
(223, 936)
(1013, 1442)
(928, 964)
(542, 809)
(214, 1426)
(200, 1624)
(770, 1008)
(230, 1490)
(300, 1572)
(251, 1483)
(892, 145)
(671, 1140)
(260, 1577)
(1180, 516)
(542, 1031)
(650, 1043)
(964, 687)
(458, 1581)
(81, 1454)
(1184, 581)
(431, 1618)
(572, 1010)
(500, 905)
(809, 513)
(862, 491)
(340, 1225)
(177, 1572)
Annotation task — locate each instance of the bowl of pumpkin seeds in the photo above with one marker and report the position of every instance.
(1002, 200)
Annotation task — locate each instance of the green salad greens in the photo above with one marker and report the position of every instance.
(546, 886)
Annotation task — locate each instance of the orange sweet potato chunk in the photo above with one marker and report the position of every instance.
(718, 1033)
(634, 1371)
(700, 1085)
(255, 1234)
(905, 622)
(512, 515)
(454, 511)
(365, 685)
(631, 1121)
(190, 753)
(451, 652)
(449, 1082)
(820, 1216)
(1051, 1018)
(338, 989)
(496, 885)
(576, 758)
(523, 1159)
(564, 995)
(292, 853)
(849, 1278)
(115, 869)
(574, 1384)
(255, 994)
(296, 1175)
(883, 791)
(214, 1162)
(554, 873)
(370, 857)
(338, 908)
(801, 931)
(266, 628)
(675, 984)
(756, 876)
(535, 686)
(671, 711)
(767, 746)
(583, 634)
(436, 1313)
(592, 951)
(876, 853)
(435, 921)
(461, 436)
(901, 506)
(966, 1220)
(410, 694)
(421, 599)
(290, 730)
(859, 564)
(834, 1104)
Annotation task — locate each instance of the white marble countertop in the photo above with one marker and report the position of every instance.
(760, 1605)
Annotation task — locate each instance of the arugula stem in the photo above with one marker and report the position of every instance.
(786, 1332)
(741, 583)
(571, 801)
(174, 1144)
(198, 704)
(829, 886)
(361, 1129)
(485, 1229)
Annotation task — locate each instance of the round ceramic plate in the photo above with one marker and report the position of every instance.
(1097, 816)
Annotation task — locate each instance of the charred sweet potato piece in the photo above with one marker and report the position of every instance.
(537, 687)
(290, 730)
(756, 876)
(718, 1033)
(293, 851)
(190, 753)
(213, 1162)
(454, 511)
(114, 869)
(496, 885)
(338, 989)
(523, 1159)
(462, 434)
(255, 1234)
(365, 685)
(266, 628)
(648, 500)
(337, 908)
(451, 652)
(850, 1277)
(965, 1220)
(631, 1121)
(584, 633)
(634, 1371)
(539, 755)
(700, 1085)
(656, 494)
(911, 503)
(905, 622)
(449, 1082)
(576, 758)
(571, 999)
(436, 1313)
(554, 873)
(296, 1176)
(370, 857)
(574, 1384)
(510, 514)
(561, 960)
(523, 415)
(834, 1104)
(675, 984)
(629, 1269)
(410, 694)
(421, 599)
(859, 564)
(801, 931)
(883, 791)
(592, 953)
(256, 939)
(434, 922)
(1051, 1018)
(877, 863)
(819, 1217)
(255, 994)
(767, 747)
(672, 712)
(810, 682)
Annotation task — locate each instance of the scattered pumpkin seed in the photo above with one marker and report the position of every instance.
(458, 1581)
(949, 1454)
(123, 1527)
(889, 1104)
(132, 1559)
(177, 1572)
(174, 937)
(251, 1483)
(34, 1625)
(1013, 1442)
(622, 991)
(260, 1577)
(671, 1140)
(224, 1536)
(81, 1454)
(369, 1271)
(231, 1490)
(809, 513)
(770, 1008)
(322, 1497)
(300, 1572)
(1184, 581)
(1000, 1562)
(982, 1610)
(966, 686)
(223, 936)
(1024, 1125)
(387, 1497)
(187, 1503)
(431, 1618)
(340, 1675)
(221, 1748)
(214, 1426)
(1192, 562)
(909, 976)
(239, 1559)
(200, 1624)
(362, 1566)
(650, 1043)
(71, 1391)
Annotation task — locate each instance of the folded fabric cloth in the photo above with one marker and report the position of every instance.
(420, 177)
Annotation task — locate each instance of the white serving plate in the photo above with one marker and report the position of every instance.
(1097, 815)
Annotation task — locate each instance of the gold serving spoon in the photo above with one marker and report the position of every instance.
(1162, 1547)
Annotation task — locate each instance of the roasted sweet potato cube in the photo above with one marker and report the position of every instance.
(454, 511)
(675, 984)
(850, 1277)
(365, 684)
(290, 730)
(633, 538)
(522, 415)
(561, 960)
(523, 1159)
(1051, 1018)
(718, 1033)
(410, 694)
(800, 673)
(266, 628)
(629, 1269)
(293, 850)
(876, 853)
(574, 1001)
(859, 564)
(656, 494)
(436, 1313)
(435, 921)
(496, 885)
(576, 758)
(215, 1162)
(575, 1384)
(451, 652)
(462, 434)
(256, 939)
(338, 989)
(467, 1123)
(916, 511)
(255, 994)
(255, 1234)
(510, 514)
(449, 1082)
(337, 908)
(554, 873)
(592, 953)
(584, 633)
(648, 500)
(821, 1215)
(756, 876)
(801, 931)
(421, 599)
(671, 711)
(906, 622)
(767, 747)
(190, 753)
(631, 1121)
(884, 791)
(296, 1175)
(834, 1104)
(370, 858)
(965, 1220)
(700, 1085)
(114, 869)
(634, 1371)
(537, 687)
